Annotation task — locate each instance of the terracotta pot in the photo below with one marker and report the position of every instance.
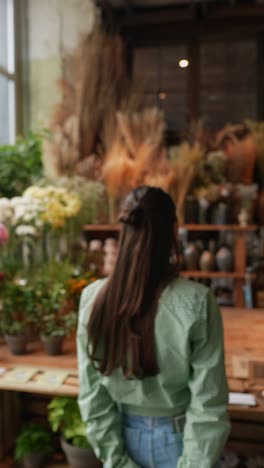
(79, 457)
(17, 343)
(52, 344)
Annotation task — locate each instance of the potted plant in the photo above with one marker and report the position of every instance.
(16, 314)
(33, 446)
(56, 318)
(64, 416)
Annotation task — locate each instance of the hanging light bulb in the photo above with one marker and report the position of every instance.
(183, 63)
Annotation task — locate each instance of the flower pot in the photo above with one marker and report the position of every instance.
(79, 457)
(52, 344)
(34, 460)
(17, 343)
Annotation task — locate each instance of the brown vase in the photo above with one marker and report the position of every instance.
(207, 261)
(191, 257)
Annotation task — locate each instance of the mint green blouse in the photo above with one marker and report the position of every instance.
(192, 380)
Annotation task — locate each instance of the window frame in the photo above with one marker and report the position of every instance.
(15, 75)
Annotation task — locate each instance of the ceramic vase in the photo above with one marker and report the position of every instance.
(224, 259)
(191, 257)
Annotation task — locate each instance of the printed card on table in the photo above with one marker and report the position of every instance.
(52, 378)
(20, 374)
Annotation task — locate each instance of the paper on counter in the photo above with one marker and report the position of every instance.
(20, 374)
(245, 399)
(52, 378)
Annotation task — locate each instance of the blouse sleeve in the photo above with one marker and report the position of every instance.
(98, 410)
(207, 424)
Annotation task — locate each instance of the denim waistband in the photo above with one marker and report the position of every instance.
(171, 423)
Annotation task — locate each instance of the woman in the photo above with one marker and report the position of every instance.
(153, 388)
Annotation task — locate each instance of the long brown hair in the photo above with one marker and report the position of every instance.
(121, 325)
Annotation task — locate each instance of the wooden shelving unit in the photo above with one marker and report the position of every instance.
(215, 274)
(240, 233)
(188, 227)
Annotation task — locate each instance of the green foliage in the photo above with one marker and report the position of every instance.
(33, 439)
(56, 315)
(17, 307)
(64, 416)
(20, 164)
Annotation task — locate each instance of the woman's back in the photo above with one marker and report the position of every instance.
(150, 350)
(184, 311)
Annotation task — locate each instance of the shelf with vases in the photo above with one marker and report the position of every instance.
(101, 227)
(240, 234)
(215, 274)
(188, 227)
(219, 227)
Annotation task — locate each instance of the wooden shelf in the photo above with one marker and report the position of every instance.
(102, 227)
(188, 227)
(215, 274)
(219, 227)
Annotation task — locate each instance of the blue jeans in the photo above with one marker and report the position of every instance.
(152, 441)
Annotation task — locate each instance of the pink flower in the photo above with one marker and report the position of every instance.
(4, 234)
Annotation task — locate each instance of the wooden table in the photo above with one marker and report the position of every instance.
(244, 336)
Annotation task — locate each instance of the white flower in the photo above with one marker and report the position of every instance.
(6, 211)
(24, 230)
(26, 210)
(21, 282)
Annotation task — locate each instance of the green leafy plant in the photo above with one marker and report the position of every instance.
(33, 438)
(64, 417)
(55, 314)
(17, 307)
(20, 164)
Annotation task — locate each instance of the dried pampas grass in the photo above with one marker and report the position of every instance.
(84, 124)
(185, 165)
(138, 154)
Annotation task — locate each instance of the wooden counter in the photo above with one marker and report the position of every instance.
(244, 339)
